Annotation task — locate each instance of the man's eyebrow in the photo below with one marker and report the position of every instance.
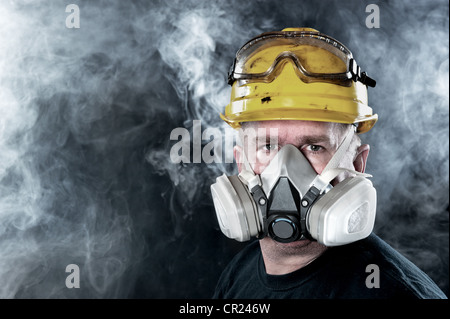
(267, 139)
(313, 139)
(301, 140)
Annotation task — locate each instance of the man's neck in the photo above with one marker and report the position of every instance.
(280, 259)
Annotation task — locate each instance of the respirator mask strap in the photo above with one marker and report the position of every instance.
(331, 170)
(247, 175)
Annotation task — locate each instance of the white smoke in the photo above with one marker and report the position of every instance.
(86, 115)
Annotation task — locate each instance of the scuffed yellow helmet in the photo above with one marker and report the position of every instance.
(298, 74)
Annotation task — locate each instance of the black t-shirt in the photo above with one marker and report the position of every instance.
(340, 272)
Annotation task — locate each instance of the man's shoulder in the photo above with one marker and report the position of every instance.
(366, 269)
(399, 276)
(240, 269)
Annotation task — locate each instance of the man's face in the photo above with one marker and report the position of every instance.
(318, 141)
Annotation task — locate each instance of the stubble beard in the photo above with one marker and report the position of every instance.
(298, 253)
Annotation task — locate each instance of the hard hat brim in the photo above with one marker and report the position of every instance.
(240, 111)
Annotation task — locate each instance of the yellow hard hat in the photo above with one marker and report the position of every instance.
(298, 74)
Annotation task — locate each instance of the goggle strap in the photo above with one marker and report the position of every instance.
(357, 75)
(231, 77)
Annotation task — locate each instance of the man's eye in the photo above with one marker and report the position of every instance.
(270, 147)
(314, 148)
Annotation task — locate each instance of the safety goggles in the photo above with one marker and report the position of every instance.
(316, 57)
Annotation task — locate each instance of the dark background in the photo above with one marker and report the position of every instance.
(85, 122)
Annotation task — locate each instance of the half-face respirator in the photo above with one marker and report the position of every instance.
(289, 201)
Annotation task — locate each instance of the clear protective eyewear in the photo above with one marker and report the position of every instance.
(317, 58)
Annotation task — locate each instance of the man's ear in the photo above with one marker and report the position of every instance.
(237, 152)
(360, 160)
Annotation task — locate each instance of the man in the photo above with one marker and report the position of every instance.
(300, 100)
